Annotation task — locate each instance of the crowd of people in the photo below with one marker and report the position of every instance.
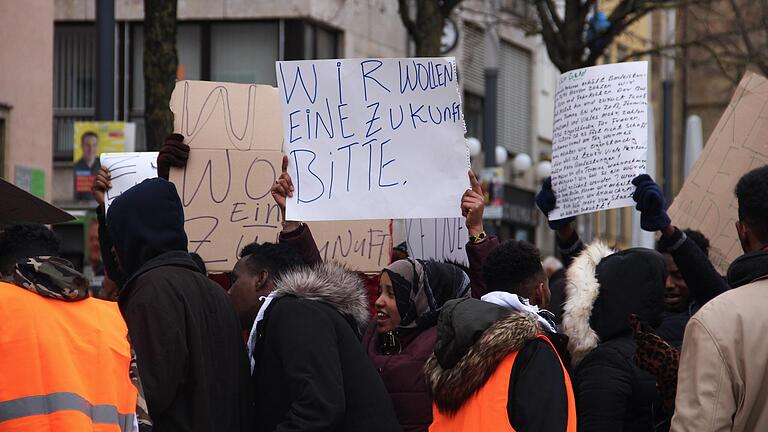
(630, 340)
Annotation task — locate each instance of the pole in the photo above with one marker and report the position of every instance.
(491, 75)
(668, 76)
(105, 60)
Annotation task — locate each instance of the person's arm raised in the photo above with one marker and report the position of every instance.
(703, 280)
(567, 239)
(295, 234)
(479, 246)
(174, 153)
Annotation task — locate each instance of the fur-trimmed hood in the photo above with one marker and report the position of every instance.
(603, 288)
(330, 283)
(454, 385)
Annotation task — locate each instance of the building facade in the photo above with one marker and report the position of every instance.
(26, 95)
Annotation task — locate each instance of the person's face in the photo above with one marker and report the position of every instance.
(90, 145)
(94, 248)
(387, 315)
(246, 291)
(676, 294)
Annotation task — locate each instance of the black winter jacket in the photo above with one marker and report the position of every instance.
(191, 357)
(603, 289)
(312, 373)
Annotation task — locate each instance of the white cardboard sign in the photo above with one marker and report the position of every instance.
(600, 137)
(373, 138)
(443, 239)
(127, 170)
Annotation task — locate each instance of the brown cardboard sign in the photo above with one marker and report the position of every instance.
(707, 202)
(236, 138)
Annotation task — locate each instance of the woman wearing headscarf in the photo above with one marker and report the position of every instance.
(403, 336)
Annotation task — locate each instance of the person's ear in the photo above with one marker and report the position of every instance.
(744, 234)
(261, 280)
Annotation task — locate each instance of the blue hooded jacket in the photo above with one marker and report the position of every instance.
(145, 222)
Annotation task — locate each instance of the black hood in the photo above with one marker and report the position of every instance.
(604, 288)
(145, 222)
(460, 324)
(748, 268)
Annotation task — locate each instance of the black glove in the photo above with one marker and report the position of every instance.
(546, 202)
(174, 153)
(651, 204)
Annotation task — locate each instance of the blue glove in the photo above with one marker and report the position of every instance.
(651, 204)
(546, 202)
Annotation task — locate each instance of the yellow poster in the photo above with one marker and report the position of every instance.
(90, 141)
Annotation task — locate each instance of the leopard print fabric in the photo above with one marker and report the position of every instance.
(657, 357)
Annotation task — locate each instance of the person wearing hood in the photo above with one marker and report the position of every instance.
(311, 372)
(724, 362)
(483, 377)
(411, 293)
(65, 356)
(187, 338)
(603, 289)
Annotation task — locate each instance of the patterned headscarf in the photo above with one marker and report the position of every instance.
(51, 277)
(422, 287)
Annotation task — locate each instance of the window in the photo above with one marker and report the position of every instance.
(514, 107)
(235, 51)
(473, 115)
(244, 52)
(74, 74)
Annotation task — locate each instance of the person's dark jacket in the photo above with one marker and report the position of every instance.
(473, 338)
(190, 352)
(703, 281)
(312, 373)
(603, 289)
(302, 241)
(403, 375)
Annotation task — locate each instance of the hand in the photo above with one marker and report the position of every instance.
(547, 202)
(651, 204)
(473, 205)
(174, 153)
(281, 191)
(101, 185)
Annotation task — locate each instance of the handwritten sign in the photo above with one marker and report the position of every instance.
(600, 137)
(373, 138)
(235, 134)
(127, 170)
(707, 202)
(439, 239)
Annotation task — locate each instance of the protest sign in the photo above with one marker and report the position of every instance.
(235, 134)
(707, 202)
(127, 170)
(600, 137)
(373, 138)
(439, 239)
(90, 141)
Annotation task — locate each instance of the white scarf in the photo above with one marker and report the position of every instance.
(517, 304)
(252, 335)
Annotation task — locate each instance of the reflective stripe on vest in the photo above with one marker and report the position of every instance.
(63, 365)
(49, 404)
(486, 410)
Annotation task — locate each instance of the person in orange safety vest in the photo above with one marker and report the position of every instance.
(64, 357)
(494, 369)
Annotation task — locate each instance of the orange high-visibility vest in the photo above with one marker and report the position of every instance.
(64, 366)
(486, 410)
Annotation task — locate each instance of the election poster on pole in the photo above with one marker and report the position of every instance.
(235, 135)
(600, 137)
(373, 138)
